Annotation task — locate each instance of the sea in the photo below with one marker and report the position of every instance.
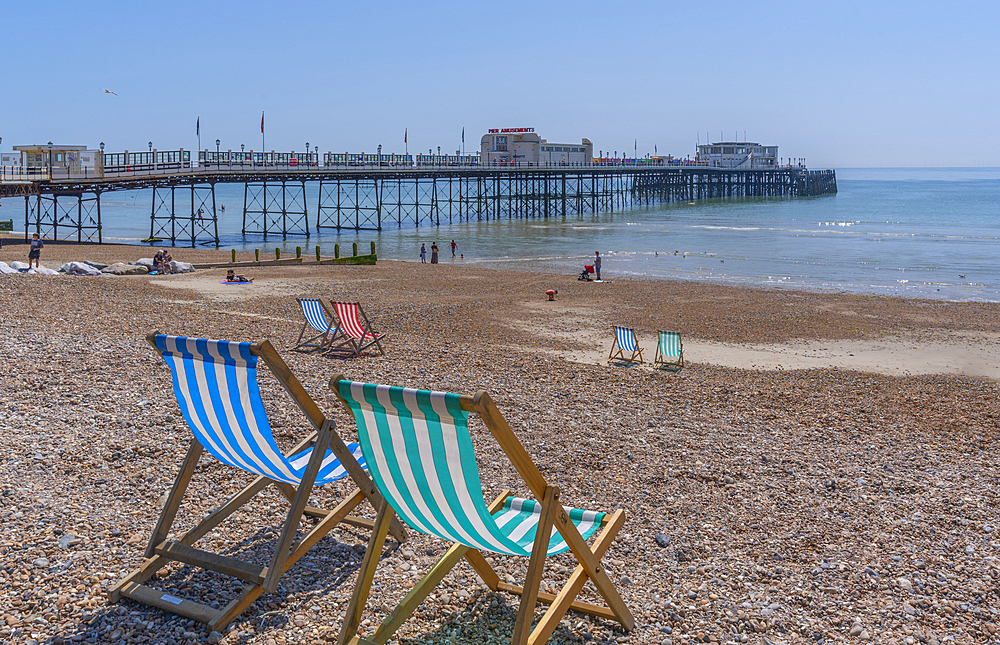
(910, 232)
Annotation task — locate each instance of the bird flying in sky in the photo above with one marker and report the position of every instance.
(110, 92)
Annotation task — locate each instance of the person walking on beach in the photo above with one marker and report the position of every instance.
(434, 253)
(34, 250)
(453, 247)
(423, 254)
(597, 264)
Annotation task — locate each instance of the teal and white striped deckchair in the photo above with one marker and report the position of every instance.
(669, 352)
(320, 327)
(420, 455)
(215, 383)
(625, 342)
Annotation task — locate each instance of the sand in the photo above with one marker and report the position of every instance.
(778, 489)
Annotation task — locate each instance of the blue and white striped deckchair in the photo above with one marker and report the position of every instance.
(624, 342)
(320, 327)
(215, 383)
(669, 351)
(421, 457)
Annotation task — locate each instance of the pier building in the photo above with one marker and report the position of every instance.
(738, 154)
(523, 146)
(68, 159)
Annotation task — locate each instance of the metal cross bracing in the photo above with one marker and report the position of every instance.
(184, 213)
(75, 216)
(275, 208)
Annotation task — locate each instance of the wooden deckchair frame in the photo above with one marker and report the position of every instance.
(661, 361)
(552, 513)
(320, 341)
(619, 356)
(350, 346)
(160, 550)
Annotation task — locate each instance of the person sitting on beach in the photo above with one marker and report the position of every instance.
(167, 259)
(158, 261)
(232, 276)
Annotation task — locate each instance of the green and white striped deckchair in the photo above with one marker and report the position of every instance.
(669, 352)
(420, 455)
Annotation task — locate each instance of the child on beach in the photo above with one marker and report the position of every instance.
(423, 254)
(232, 276)
(35, 250)
(597, 264)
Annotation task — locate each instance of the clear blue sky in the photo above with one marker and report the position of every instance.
(841, 84)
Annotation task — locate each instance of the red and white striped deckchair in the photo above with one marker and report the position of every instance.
(355, 333)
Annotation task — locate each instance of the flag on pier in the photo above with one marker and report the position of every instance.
(262, 122)
(463, 135)
(197, 127)
(404, 134)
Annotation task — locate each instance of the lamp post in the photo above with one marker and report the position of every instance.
(50, 160)
(150, 146)
(380, 155)
(307, 153)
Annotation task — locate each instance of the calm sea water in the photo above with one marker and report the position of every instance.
(929, 233)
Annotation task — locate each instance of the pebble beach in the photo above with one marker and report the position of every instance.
(789, 501)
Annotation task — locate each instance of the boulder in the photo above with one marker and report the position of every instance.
(19, 266)
(181, 267)
(96, 265)
(120, 268)
(146, 262)
(79, 268)
(5, 268)
(43, 271)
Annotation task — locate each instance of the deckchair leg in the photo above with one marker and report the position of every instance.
(437, 573)
(592, 565)
(359, 597)
(275, 569)
(564, 600)
(536, 565)
(176, 495)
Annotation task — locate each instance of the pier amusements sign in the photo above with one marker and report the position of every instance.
(509, 130)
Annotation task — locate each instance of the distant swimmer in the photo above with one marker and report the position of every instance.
(961, 276)
(110, 92)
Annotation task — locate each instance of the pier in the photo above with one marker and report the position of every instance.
(289, 195)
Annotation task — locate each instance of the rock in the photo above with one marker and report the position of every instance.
(43, 271)
(145, 262)
(120, 268)
(904, 584)
(969, 550)
(181, 267)
(214, 638)
(78, 268)
(662, 540)
(6, 268)
(41, 563)
(67, 540)
(19, 266)
(856, 630)
(864, 635)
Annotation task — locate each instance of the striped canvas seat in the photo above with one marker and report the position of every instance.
(624, 348)
(322, 324)
(215, 383)
(669, 351)
(421, 458)
(355, 332)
